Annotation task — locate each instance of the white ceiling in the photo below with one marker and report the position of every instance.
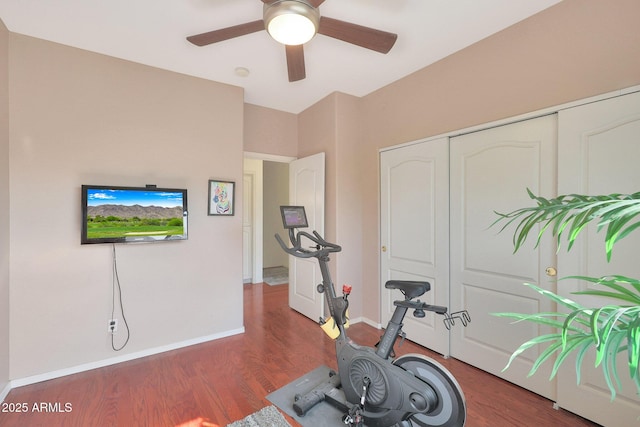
(153, 32)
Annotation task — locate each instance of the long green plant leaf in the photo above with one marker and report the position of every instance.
(571, 214)
(565, 302)
(575, 343)
(610, 364)
(581, 315)
(605, 329)
(620, 284)
(531, 343)
(581, 352)
(554, 347)
(633, 340)
(545, 319)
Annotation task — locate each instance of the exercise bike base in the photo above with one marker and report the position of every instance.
(327, 390)
(329, 414)
(321, 415)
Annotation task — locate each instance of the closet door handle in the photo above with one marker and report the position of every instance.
(551, 271)
(384, 249)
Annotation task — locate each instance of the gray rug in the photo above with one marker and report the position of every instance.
(268, 416)
(273, 276)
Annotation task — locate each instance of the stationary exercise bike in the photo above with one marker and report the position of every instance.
(371, 389)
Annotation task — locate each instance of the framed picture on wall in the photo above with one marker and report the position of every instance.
(221, 197)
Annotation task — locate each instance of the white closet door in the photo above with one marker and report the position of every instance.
(491, 171)
(415, 233)
(598, 153)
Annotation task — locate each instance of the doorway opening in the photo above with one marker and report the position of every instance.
(266, 187)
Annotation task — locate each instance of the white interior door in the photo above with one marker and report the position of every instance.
(414, 235)
(598, 154)
(306, 188)
(490, 171)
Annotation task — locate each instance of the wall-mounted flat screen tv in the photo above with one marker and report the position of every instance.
(113, 214)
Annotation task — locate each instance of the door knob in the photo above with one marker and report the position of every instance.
(551, 271)
(384, 249)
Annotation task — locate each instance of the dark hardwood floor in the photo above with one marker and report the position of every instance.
(225, 380)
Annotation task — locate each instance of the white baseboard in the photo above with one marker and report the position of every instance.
(5, 391)
(119, 359)
(367, 321)
(372, 323)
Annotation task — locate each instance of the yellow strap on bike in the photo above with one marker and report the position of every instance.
(329, 327)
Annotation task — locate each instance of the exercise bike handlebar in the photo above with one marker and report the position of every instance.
(322, 246)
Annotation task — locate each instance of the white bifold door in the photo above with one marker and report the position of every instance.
(599, 154)
(490, 172)
(415, 231)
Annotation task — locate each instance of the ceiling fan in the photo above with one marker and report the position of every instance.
(300, 19)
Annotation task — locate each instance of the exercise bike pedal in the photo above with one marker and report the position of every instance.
(348, 420)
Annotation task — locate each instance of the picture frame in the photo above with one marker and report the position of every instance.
(221, 198)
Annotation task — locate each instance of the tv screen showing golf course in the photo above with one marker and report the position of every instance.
(133, 214)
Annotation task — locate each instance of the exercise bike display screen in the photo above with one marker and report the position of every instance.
(293, 217)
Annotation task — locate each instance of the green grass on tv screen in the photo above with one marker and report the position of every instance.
(110, 227)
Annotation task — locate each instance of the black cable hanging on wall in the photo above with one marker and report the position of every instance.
(116, 286)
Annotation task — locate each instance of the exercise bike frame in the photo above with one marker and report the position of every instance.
(338, 305)
(393, 395)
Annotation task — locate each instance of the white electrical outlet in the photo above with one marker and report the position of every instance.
(113, 326)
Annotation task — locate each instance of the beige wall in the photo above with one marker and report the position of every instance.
(83, 118)
(4, 209)
(316, 134)
(574, 50)
(334, 126)
(269, 131)
(349, 189)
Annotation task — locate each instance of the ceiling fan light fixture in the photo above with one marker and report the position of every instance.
(291, 22)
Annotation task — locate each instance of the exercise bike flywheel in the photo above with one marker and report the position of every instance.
(451, 408)
(363, 367)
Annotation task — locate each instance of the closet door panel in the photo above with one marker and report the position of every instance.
(491, 171)
(415, 233)
(598, 153)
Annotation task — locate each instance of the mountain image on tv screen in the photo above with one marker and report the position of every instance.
(134, 214)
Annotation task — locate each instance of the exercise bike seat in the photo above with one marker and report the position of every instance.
(409, 288)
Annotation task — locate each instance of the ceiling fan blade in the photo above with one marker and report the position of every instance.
(226, 33)
(295, 62)
(369, 38)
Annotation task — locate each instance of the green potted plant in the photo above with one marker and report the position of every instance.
(610, 329)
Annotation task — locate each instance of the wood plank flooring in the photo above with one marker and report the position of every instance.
(225, 380)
